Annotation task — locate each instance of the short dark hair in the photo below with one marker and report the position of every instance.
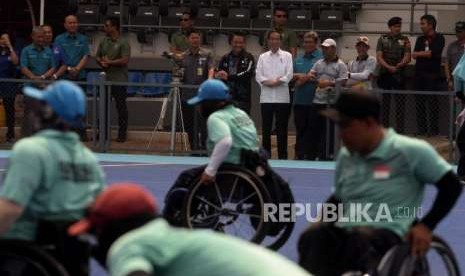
(281, 9)
(394, 21)
(232, 35)
(272, 32)
(194, 31)
(114, 21)
(431, 20)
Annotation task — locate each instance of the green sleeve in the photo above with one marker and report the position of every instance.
(293, 40)
(24, 173)
(428, 166)
(123, 261)
(339, 165)
(379, 45)
(99, 50)
(125, 49)
(217, 129)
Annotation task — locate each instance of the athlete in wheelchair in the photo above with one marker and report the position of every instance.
(51, 179)
(384, 173)
(229, 194)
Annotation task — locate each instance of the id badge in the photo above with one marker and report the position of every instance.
(199, 71)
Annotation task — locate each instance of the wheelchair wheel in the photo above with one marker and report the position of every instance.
(233, 204)
(276, 242)
(19, 258)
(440, 260)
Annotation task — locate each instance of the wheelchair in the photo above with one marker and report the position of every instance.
(235, 205)
(399, 262)
(21, 258)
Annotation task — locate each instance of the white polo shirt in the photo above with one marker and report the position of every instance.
(269, 67)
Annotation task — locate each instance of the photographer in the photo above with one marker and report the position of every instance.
(8, 62)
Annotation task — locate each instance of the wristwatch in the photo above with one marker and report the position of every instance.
(55, 77)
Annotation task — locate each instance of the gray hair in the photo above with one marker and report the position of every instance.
(312, 35)
(37, 29)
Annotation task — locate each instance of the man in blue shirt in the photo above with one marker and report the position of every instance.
(58, 53)
(303, 97)
(75, 49)
(37, 61)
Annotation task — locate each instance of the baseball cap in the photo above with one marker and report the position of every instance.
(65, 98)
(363, 39)
(329, 42)
(211, 90)
(394, 21)
(354, 105)
(460, 26)
(117, 202)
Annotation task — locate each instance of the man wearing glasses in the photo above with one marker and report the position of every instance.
(289, 41)
(179, 41)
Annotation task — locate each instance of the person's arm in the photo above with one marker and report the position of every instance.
(407, 55)
(24, 63)
(289, 72)
(13, 57)
(211, 67)
(365, 74)
(9, 213)
(219, 154)
(49, 73)
(449, 190)
(418, 53)
(247, 73)
(259, 72)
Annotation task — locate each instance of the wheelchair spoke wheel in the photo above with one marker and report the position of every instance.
(233, 204)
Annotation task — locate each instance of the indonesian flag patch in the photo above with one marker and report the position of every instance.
(381, 172)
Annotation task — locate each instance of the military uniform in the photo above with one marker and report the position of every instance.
(394, 48)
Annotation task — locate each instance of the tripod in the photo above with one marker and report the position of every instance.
(175, 97)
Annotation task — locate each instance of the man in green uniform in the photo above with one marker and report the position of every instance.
(384, 173)
(393, 53)
(134, 242)
(51, 176)
(113, 57)
(289, 40)
(179, 41)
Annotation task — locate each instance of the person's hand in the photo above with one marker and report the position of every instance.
(325, 83)
(392, 69)
(270, 83)
(420, 237)
(7, 40)
(450, 85)
(222, 75)
(206, 178)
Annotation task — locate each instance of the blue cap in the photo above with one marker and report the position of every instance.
(211, 90)
(65, 98)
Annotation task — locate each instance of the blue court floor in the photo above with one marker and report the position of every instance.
(310, 182)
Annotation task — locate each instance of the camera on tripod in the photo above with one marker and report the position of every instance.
(178, 69)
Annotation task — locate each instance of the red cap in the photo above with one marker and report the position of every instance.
(118, 201)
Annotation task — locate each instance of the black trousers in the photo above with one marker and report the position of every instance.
(322, 135)
(9, 104)
(279, 112)
(245, 106)
(393, 82)
(327, 250)
(303, 124)
(119, 95)
(461, 145)
(427, 106)
(195, 125)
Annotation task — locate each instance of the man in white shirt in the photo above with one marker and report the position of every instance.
(273, 74)
(361, 69)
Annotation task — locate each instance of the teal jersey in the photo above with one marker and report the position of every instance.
(304, 94)
(235, 123)
(37, 59)
(53, 176)
(391, 180)
(75, 48)
(162, 250)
